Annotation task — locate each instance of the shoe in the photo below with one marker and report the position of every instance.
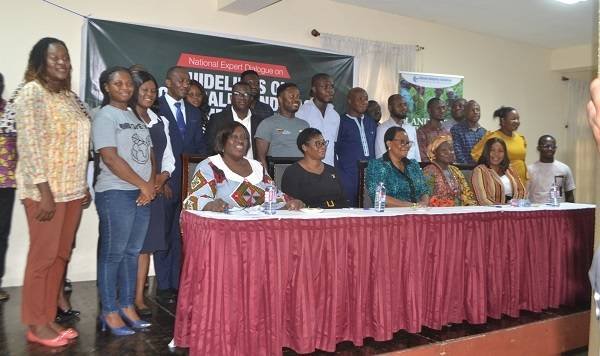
(63, 316)
(122, 331)
(135, 324)
(56, 342)
(4, 296)
(165, 296)
(69, 334)
(68, 287)
(144, 311)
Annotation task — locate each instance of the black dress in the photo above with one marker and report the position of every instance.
(315, 190)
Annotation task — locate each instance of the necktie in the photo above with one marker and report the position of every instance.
(180, 119)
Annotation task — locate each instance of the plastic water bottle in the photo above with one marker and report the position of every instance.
(554, 199)
(270, 199)
(380, 198)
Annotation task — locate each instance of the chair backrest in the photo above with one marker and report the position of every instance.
(277, 165)
(364, 200)
(189, 163)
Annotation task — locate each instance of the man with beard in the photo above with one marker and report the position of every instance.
(433, 128)
(320, 113)
(239, 111)
(259, 109)
(457, 113)
(547, 171)
(398, 109)
(467, 133)
(355, 142)
(276, 135)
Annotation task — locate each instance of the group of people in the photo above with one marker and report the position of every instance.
(137, 141)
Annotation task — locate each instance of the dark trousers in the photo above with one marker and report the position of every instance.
(167, 263)
(7, 200)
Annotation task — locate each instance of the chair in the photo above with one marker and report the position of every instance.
(364, 200)
(277, 165)
(189, 163)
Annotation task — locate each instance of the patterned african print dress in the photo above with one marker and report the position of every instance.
(213, 180)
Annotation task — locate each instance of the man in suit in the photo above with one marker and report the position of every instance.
(258, 108)
(186, 136)
(238, 110)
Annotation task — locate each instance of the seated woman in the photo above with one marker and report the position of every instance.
(494, 182)
(311, 180)
(228, 179)
(447, 183)
(402, 177)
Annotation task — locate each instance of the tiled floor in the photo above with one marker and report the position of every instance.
(155, 341)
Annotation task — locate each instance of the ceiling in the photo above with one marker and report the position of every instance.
(545, 23)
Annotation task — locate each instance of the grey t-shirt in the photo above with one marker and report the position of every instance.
(113, 127)
(281, 133)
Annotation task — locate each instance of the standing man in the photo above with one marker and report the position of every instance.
(186, 136)
(398, 109)
(457, 113)
(433, 128)
(547, 171)
(276, 135)
(239, 110)
(258, 108)
(320, 113)
(467, 133)
(355, 142)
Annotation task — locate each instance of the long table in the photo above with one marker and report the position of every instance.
(252, 284)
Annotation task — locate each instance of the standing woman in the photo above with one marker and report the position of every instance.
(515, 142)
(124, 190)
(142, 102)
(198, 98)
(53, 144)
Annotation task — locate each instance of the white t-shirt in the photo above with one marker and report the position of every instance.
(247, 122)
(541, 177)
(328, 124)
(411, 132)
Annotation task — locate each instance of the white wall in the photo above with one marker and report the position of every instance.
(497, 72)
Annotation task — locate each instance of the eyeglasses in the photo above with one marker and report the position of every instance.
(243, 95)
(402, 142)
(549, 147)
(319, 144)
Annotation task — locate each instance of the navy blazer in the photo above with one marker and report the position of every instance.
(192, 143)
(219, 119)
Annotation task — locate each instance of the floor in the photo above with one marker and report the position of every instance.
(93, 341)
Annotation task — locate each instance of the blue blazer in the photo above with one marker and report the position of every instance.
(192, 143)
(349, 150)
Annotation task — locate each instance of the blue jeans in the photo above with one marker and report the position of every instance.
(123, 228)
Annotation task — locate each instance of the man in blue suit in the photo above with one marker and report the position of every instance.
(355, 142)
(186, 137)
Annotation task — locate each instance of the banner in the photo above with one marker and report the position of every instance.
(418, 88)
(216, 62)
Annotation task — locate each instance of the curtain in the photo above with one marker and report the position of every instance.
(376, 64)
(580, 145)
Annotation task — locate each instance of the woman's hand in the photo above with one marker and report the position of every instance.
(294, 204)
(217, 205)
(46, 207)
(87, 199)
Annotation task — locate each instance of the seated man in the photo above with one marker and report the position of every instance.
(276, 135)
(547, 171)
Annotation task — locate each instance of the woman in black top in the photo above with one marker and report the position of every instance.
(310, 180)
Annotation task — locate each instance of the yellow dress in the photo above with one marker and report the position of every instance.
(517, 149)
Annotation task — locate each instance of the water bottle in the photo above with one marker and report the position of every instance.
(554, 199)
(380, 198)
(270, 199)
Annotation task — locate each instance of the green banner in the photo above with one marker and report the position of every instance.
(216, 62)
(418, 88)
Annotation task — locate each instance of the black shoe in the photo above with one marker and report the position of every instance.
(63, 316)
(165, 296)
(4, 296)
(144, 311)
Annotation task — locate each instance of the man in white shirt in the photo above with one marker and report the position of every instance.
(398, 109)
(547, 171)
(320, 113)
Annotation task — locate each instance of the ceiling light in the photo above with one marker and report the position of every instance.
(570, 2)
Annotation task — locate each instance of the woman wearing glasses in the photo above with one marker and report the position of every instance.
(310, 180)
(447, 183)
(403, 178)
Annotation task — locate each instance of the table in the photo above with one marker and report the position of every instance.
(252, 284)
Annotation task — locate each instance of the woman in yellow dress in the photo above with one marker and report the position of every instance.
(515, 142)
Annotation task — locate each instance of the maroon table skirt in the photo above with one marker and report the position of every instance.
(253, 287)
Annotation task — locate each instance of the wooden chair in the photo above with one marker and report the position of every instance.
(277, 165)
(364, 200)
(189, 163)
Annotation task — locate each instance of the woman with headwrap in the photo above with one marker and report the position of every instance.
(447, 183)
